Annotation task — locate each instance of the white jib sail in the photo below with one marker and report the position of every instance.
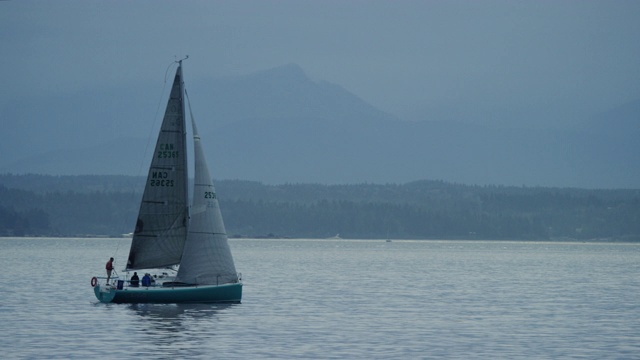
(207, 258)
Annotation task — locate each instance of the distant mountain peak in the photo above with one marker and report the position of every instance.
(289, 73)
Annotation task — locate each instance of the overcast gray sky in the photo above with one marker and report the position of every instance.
(416, 59)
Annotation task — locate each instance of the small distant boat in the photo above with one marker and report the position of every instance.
(169, 234)
(336, 237)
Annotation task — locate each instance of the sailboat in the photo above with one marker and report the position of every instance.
(170, 235)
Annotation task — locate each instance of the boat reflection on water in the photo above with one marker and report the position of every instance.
(177, 311)
(160, 320)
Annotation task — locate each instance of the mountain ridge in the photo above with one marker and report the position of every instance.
(279, 126)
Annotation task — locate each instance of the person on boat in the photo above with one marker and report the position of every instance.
(135, 280)
(146, 280)
(109, 268)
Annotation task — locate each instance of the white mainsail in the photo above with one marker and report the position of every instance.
(206, 258)
(161, 228)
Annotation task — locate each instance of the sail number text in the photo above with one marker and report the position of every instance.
(160, 178)
(209, 195)
(166, 151)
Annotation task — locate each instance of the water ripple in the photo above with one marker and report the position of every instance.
(335, 300)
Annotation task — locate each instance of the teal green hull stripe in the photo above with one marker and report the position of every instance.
(227, 293)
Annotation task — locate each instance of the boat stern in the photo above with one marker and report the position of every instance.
(104, 293)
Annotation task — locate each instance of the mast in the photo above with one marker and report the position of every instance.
(184, 143)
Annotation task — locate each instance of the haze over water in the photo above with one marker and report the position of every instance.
(539, 93)
(357, 299)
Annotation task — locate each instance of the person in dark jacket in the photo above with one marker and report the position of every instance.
(135, 280)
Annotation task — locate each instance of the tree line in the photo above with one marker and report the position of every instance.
(40, 205)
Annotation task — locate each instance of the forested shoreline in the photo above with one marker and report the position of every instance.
(41, 205)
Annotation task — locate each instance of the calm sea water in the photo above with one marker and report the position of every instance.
(336, 299)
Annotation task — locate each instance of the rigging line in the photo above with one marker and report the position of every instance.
(155, 118)
(186, 95)
(189, 104)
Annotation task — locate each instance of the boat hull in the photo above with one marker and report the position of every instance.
(227, 293)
